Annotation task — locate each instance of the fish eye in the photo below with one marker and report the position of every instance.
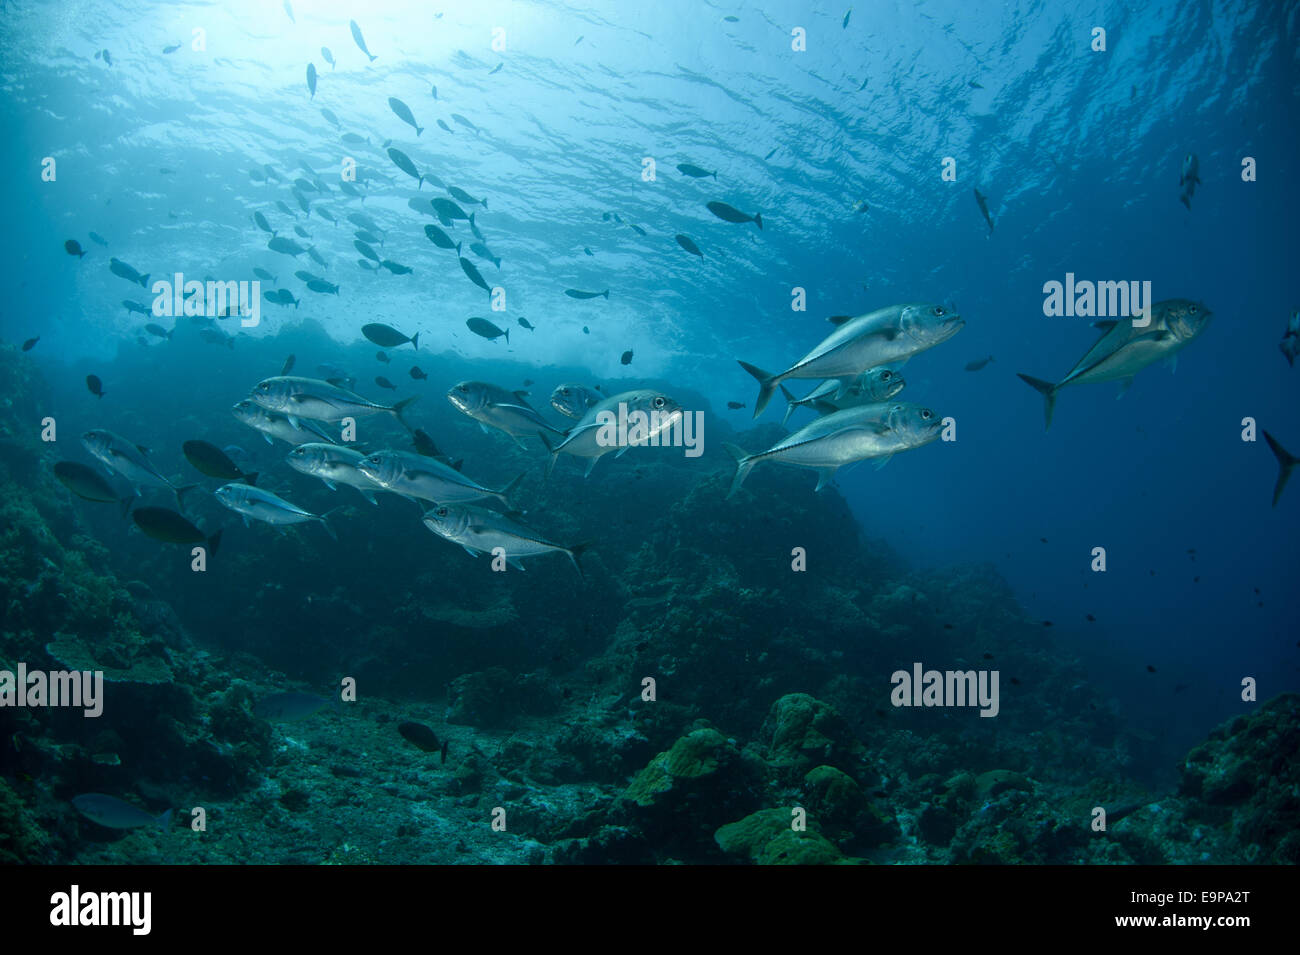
(939, 311)
(886, 375)
(1192, 309)
(565, 392)
(441, 512)
(927, 414)
(659, 402)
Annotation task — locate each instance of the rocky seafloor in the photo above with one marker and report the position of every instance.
(771, 691)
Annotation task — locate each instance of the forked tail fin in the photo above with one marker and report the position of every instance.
(1286, 463)
(744, 464)
(766, 386)
(1047, 390)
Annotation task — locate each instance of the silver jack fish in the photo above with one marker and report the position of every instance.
(319, 400)
(1125, 348)
(480, 530)
(275, 425)
(492, 406)
(573, 401)
(335, 465)
(259, 505)
(122, 457)
(846, 437)
(879, 384)
(417, 476)
(590, 438)
(887, 335)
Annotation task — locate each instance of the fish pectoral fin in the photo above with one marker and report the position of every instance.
(881, 462)
(142, 449)
(1173, 364)
(293, 420)
(1124, 385)
(368, 495)
(331, 485)
(269, 439)
(469, 550)
(824, 477)
(621, 451)
(838, 320)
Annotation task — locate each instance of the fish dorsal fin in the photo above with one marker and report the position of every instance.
(457, 465)
(338, 382)
(521, 395)
(839, 319)
(142, 449)
(1105, 325)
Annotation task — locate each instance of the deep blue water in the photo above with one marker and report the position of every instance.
(1078, 151)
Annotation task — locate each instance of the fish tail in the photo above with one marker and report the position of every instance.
(1047, 390)
(791, 402)
(164, 821)
(214, 542)
(766, 386)
(328, 529)
(401, 406)
(180, 494)
(250, 478)
(504, 494)
(126, 506)
(484, 201)
(419, 130)
(507, 336)
(1286, 463)
(606, 294)
(372, 57)
(744, 464)
(758, 220)
(574, 553)
(550, 465)
(1183, 200)
(144, 282)
(415, 341)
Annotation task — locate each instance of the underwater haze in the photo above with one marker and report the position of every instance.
(579, 432)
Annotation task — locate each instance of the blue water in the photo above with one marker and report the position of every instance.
(1078, 151)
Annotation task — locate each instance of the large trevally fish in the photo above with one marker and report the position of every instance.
(480, 530)
(131, 461)
(254, 503)
(882, 337)
(417, 476)
(1125, 348)
(319, 400)
(879, 384)
(596, 433)
(846, 437)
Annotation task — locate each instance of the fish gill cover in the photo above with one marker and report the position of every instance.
(610, 589)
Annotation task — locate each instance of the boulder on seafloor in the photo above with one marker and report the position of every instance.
(766, 837)
(843, 810)
(801, 732)
(1245, 776)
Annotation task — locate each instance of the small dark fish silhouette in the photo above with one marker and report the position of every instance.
(424, 444)
(497, 70)
(481, 326)
(984, 208)
(417, 374)
(579, 294)
(735, 405)
(171, 49)
(978, 363)
(524, 323)
(1090, 618)
(382, 357)
(95, 385)
(974, 85)
(686, 243)
(1150, 668)
(388, 337)
(421, 736)
(31, 343)
(383, 382)
(845, 24)
(360, 40)
(588, 251)
(527, 382)
(586, 330)
(627, 357)
(731, 214)
(73, 247)
(288, 365)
